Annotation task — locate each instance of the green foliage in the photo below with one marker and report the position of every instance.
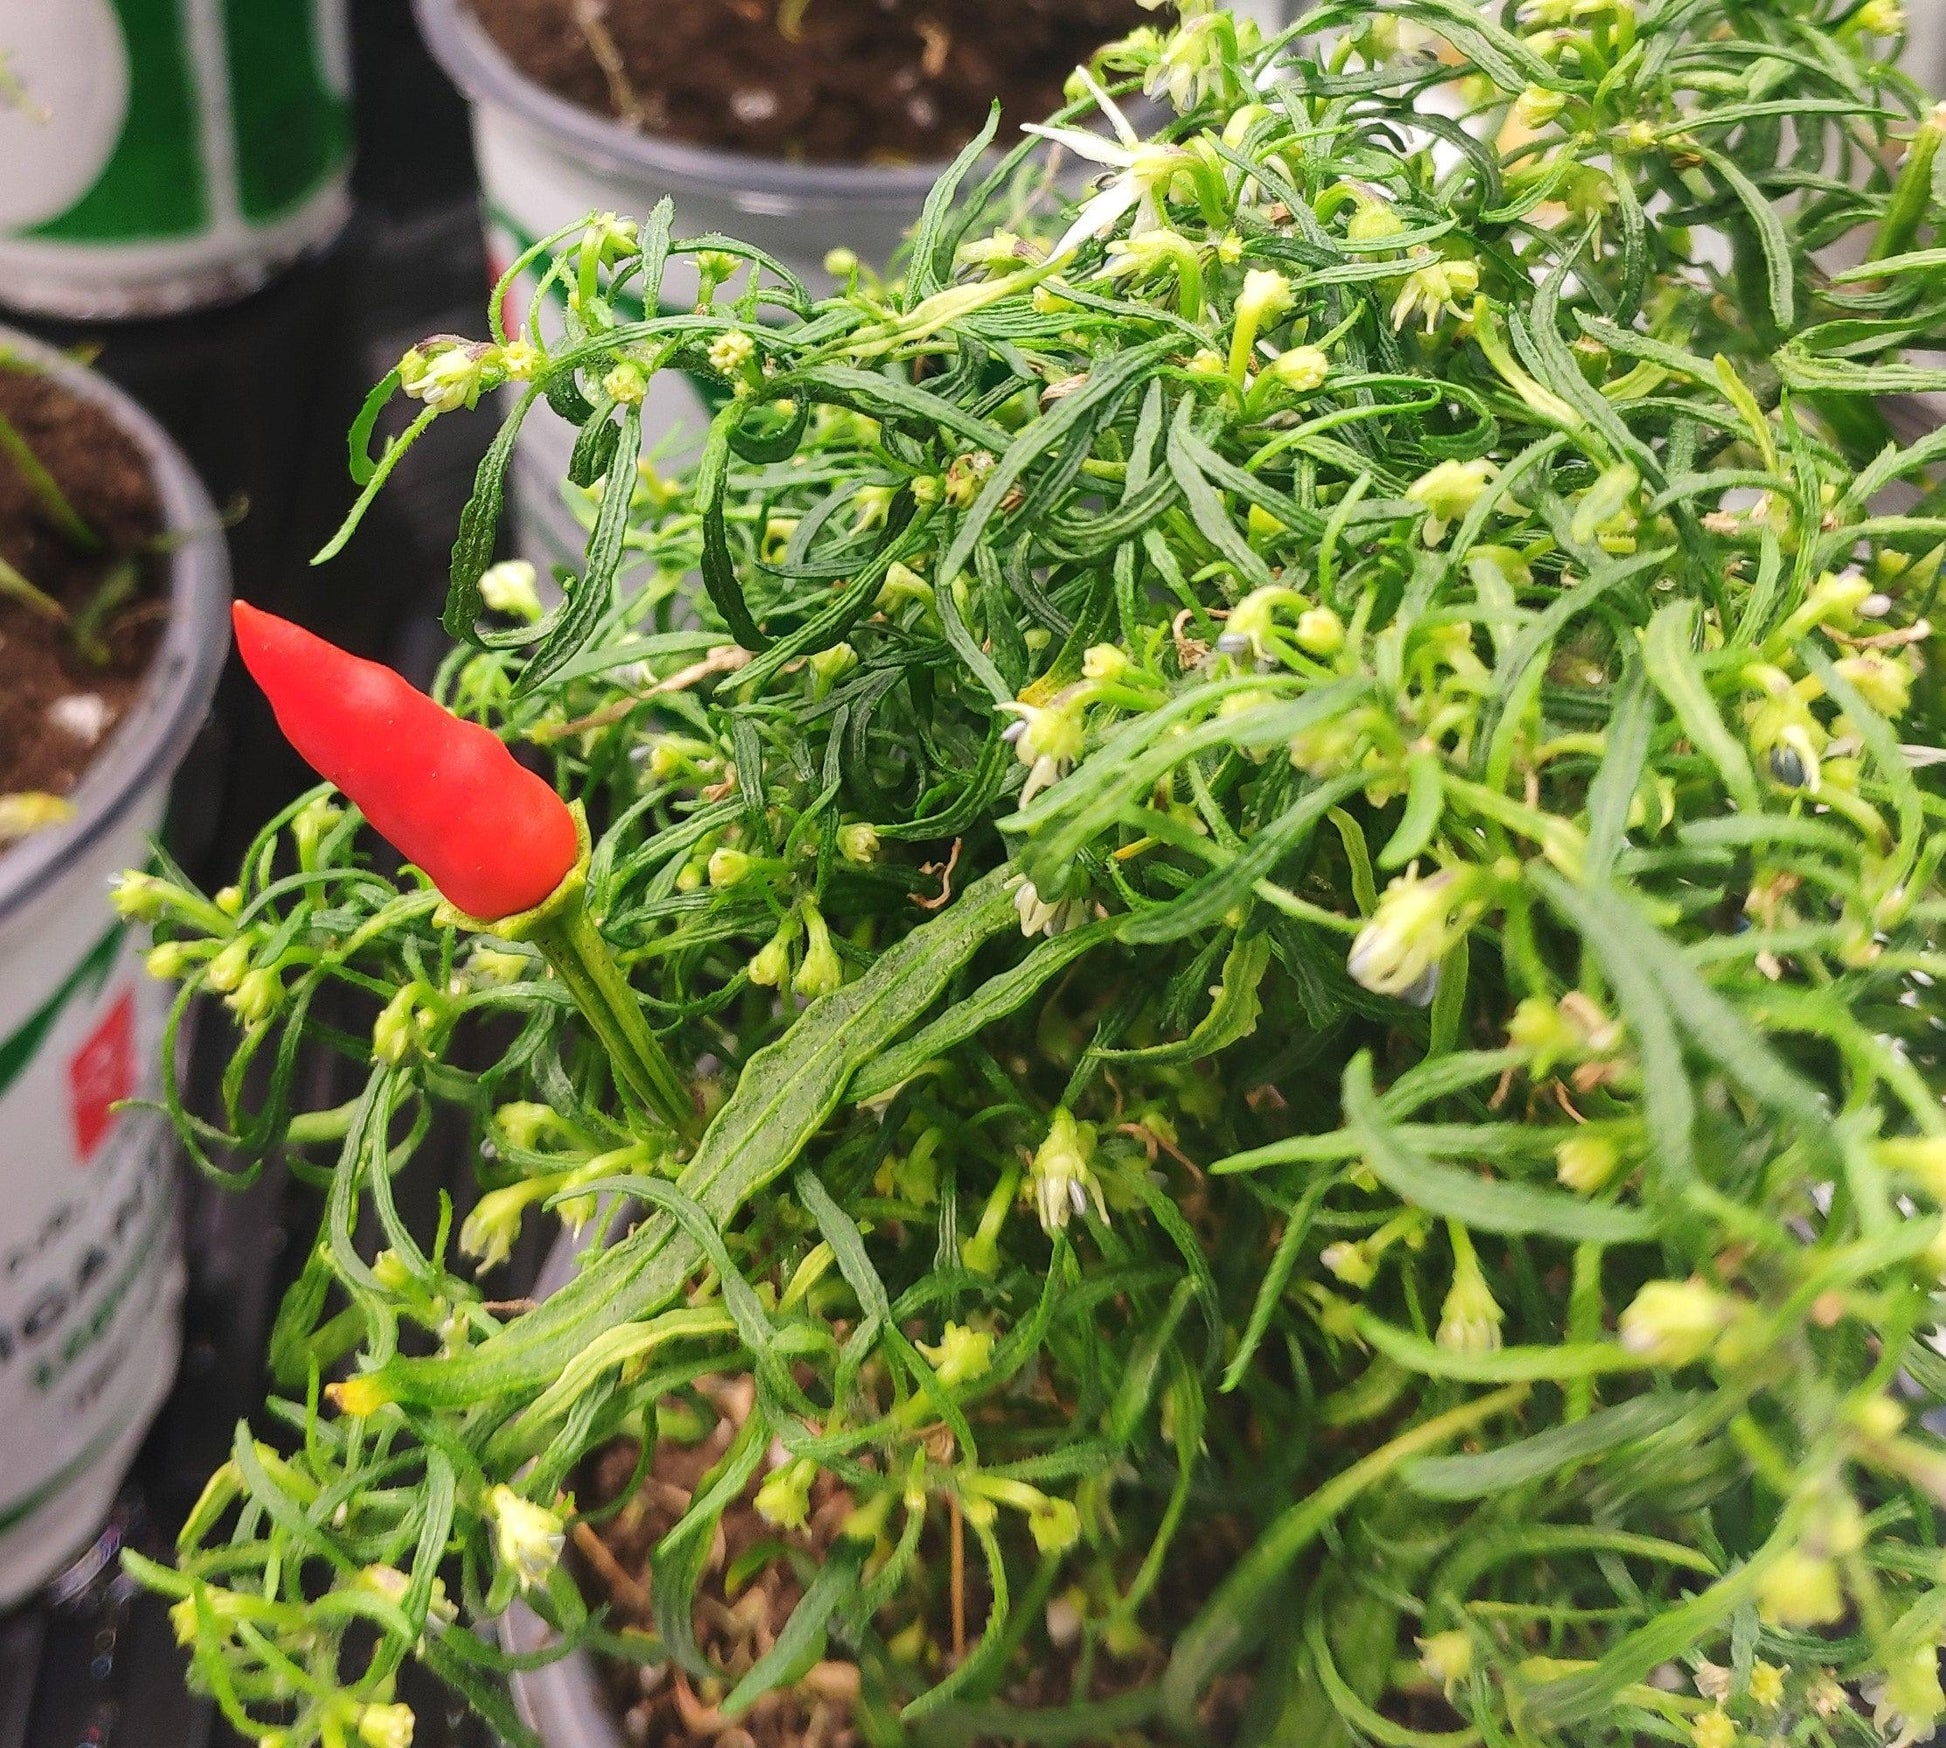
(1297, 841)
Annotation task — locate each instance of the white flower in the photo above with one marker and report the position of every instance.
(1434, 288)
(446, 372)
(1190, 67)
(1906, 1701)
(1063, 1173)
(1416, 923)
(1143, 169)
(528, 1538)
(1046, 739)
(1038, 917)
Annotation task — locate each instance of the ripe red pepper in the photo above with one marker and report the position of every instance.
(445, 793)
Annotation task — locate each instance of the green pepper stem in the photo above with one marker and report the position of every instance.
(583, 961)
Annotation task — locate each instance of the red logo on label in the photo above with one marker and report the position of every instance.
(101, 1073)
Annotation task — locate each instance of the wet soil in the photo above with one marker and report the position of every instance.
(58, 707)
(823, 81)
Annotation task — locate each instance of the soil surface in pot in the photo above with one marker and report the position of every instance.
(825, 81)
(747, 1594)
(59, 701)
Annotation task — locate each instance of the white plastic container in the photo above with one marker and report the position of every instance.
(545, 162)
(90, 1262)
(563, 1702)
(157, 158)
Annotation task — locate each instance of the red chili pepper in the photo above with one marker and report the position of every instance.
(445, 793)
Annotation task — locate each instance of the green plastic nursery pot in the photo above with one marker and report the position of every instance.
(90, 1269)
(164, 155)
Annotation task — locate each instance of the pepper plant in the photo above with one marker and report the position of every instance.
(1285, 828)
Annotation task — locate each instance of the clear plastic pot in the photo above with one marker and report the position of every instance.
(90, 1263)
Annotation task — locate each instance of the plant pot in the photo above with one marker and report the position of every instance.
(90, 1268)
(561, 1702)
(163, 158)
(545, 162)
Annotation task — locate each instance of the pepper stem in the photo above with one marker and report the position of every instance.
(585, 965)
(569, 940)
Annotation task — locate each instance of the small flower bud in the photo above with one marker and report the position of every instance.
(227, 969)
(401, 1026)
(169, 961)
(385, 1726)
(1320, 632)
(229, 900)
(1104, 661)
(1535, 107)
(727, 867)
(1055, 1525)
(822, 971)
(510, 587)
(1585, 1163)
(626, 384)
(1351, 1263)
(1448, 491)
(1675, 1323)
(1884, 682)
(527, 1538)
(829, 666)
(1470, 1319)
(841, 263)
(1302, 369)
(139, 897)
(772, 963)
(858, 843)
(257, 997)
(785, 1497)
(730, 353)
(1447, 1658)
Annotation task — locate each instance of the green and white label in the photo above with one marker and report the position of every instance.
(157, 142)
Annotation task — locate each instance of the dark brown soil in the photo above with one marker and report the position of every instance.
(864, 81)
(46, 741)
(736, 1624)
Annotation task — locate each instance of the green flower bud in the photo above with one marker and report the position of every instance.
(1675, 1323)
(385, 1726)
(858, 843)
(169, 961)
(822, 971)
(785, 1497)
(727, 867)
(227, 969)
(626, 384)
